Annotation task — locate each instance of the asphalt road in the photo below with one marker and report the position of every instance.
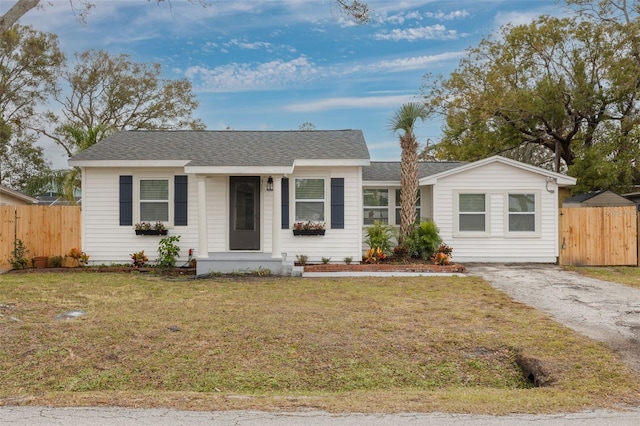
(42, 416)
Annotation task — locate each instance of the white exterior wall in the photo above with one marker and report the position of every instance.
(497, 180)
(336, 243)
(217, 212)
(104, 240)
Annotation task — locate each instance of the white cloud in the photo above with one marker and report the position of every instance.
(431, 32)
(350, 103)
(412, 63)
(279, 74)
(251, 46)
(245, 77)
(456, 14)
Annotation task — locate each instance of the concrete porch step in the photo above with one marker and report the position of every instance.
(242, 262)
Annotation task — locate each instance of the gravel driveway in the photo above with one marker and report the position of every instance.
(600, 310)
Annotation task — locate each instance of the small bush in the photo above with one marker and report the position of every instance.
(374, 255)
(18, 259)
(424, 240)
(55, 261)
(302, 259)
(379, 236)
(139, 259)
(348, 260)
(442, 255)
(168, 251)
(402, 252)
(326, 260)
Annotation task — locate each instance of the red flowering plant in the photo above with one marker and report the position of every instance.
(374, 255)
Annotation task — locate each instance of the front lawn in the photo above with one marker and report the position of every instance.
(627, 275)
(366, 344)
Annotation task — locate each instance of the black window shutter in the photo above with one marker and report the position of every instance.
(337, 203)
(126, 200)
(180, 185)
(285, 203)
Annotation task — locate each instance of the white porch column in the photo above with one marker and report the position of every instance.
(203, 238)
(276, 250)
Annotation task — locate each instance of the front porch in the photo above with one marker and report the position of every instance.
(245, 262)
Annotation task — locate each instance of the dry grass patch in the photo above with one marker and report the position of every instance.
(627, 275)
(367, 344)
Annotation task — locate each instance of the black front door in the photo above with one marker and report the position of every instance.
(244, 214)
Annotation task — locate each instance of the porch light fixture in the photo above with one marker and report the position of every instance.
(270, 184)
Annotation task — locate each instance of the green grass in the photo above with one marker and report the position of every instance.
(627, 275)
(368, 344)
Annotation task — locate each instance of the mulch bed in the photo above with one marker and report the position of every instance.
(125, 269)
(385, 267)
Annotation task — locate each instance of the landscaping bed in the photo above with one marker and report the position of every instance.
(386, 267)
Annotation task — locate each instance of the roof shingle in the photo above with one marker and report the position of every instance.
(229, 147)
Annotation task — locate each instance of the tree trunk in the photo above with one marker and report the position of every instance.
(409, 184)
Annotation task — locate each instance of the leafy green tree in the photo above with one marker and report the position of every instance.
(563, 89)
(404, 121)
(112, 92)
(30, 63)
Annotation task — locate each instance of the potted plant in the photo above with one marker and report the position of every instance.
(308, 228)
(146, 228)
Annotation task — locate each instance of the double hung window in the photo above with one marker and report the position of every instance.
(310, 200)
(376, 206)
(472, 213)
(154, 200)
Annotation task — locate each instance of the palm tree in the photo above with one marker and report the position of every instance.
(404, 120)
(66, 182)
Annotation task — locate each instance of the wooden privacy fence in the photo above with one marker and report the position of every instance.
(599, 236)
(44, 230)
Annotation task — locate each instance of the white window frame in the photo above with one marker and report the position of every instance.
(456, 215)
(537, 220)
(137, 201)
(366, 207)
(397, 207)
(323, 200)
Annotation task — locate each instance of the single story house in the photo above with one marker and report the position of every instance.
(233, 197)
(11, 197)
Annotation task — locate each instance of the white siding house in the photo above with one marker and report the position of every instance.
(233, 197)
(498, 210)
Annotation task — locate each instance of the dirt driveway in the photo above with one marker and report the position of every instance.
(603, 311)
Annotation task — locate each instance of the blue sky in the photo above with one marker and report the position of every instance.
(273, 65)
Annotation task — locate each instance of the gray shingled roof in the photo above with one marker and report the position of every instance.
(229, 147)
(390, 170)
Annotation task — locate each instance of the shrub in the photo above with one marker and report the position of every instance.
(402, 252)
(18, 259)
(424, 240)
(168, 251)
(302, 259)
(139, 259)
(442, 255)
(326, 260)
(348, 260)
(374, 255)
(379, 237)
(55, 261)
